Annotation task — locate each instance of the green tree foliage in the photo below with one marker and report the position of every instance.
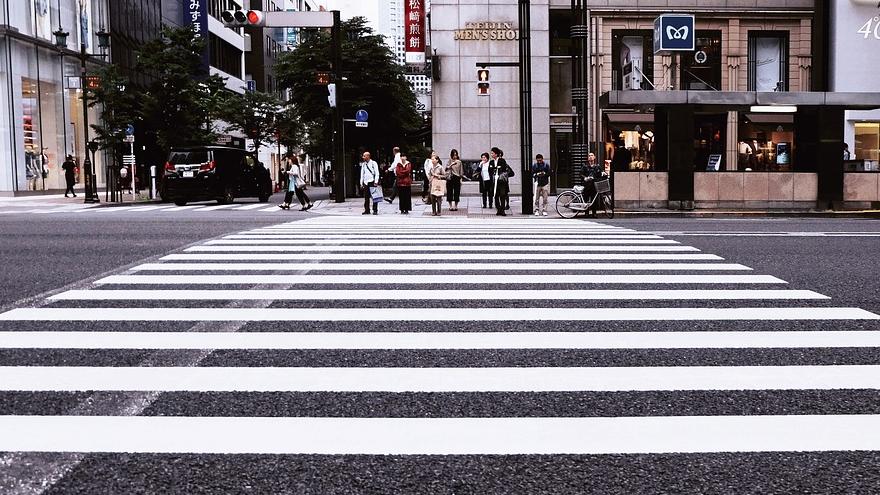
(119, 105)
(254, 114)
(176, 104)
(373, 82)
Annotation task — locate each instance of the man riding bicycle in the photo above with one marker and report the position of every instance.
(592, 172)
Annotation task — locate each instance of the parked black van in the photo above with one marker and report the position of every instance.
(221, 173)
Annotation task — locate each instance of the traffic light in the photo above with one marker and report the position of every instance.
(331, 97)
(483, 82)
(239, 18)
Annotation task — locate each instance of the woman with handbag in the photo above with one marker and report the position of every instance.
(454, 172)
(438, 185)
(295, 184)
(403, 174)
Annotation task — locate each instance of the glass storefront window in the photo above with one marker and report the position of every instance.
(867, 145)
(632, 64)
(701, 70)
(710, 131)
(560, 85)
(630, 145)
(766, 143)
(768, 61)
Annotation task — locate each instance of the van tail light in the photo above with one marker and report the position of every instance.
(169, 167)
(207, 167)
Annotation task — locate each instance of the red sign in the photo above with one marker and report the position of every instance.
(414, 31)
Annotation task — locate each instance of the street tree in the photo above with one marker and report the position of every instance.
(253, 114)
(118, 102)
(372, 81)
(176, 104)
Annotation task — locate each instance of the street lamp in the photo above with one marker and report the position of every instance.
(91, 181)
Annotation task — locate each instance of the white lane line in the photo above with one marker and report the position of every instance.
(217, 207)
(414, 267)
(770, 234)
(435, 380)
(253, 247)
(439, 436)
(453, 237)
(114, 209)
(450, 229)
(251, 207)
(182, 208)
(440, 279)
(440, 340)
(437, 314)
(425, 243)
(271, 209)
(506, 257)
(427, 295)
(155, 207)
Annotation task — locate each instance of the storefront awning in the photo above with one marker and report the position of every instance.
(738, 100)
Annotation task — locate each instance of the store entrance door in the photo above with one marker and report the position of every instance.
(560, 164)
(710, 136)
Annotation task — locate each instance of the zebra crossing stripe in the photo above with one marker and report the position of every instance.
(210, 246)
(417, 267)
(439, 436)
(428, 295)
(437, 314)
(450, 237)
(182, 208)
(440, 340)
(505, 257)
(422, 242)
(436, 380)
(399, 279)
(251, 206)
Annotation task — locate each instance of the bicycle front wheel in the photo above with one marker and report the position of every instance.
(608, 206)
(563, 202)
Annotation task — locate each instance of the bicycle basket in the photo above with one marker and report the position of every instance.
(603, 186)
(578, 189)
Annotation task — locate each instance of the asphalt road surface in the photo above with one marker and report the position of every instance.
(238, 351)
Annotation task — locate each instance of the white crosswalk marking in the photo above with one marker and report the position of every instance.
(342, 311)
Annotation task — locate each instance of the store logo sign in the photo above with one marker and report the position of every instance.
(674, 33)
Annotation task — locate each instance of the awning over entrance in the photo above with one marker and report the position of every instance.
(737, 100)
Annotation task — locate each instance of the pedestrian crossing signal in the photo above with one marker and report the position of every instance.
(483, 82)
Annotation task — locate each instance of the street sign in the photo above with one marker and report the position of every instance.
(361, 116)
(251, 85)
(674, 33)
(361, 124)
(128, 159)
(319, 19)
(129, 130)
(128, 139)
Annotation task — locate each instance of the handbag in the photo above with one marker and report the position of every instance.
(376, 194)
(438, 187)
(300, 183)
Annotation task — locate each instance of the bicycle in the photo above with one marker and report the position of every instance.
(570, 203)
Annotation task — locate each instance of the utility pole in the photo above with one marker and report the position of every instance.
(580, 35)
(525, 105)
(339, 175)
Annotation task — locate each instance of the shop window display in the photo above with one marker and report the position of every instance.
(768, 61)
(701, 70)
(631, 148)
(766, 143)
(632, 64)
(866, 152)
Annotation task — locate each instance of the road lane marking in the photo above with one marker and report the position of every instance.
(251, 207)
(439, 436)
(411, 267)
(440, 340)
(506, 257)
(437, 314)
(254, 247)
(436, 380)
(428, 295)
(425, 243)
(293, 279)
(452, 237)
(182, 208)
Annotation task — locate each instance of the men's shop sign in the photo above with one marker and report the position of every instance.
(487, 31)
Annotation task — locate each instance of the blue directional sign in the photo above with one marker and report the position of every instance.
(129, 130)
(361, 115)
(674, 33)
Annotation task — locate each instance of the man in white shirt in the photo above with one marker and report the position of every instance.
(369, 179)
(426, 183)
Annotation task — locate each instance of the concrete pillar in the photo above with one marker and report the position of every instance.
(674, 138)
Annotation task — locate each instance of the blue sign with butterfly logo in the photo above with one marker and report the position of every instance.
(674, 33)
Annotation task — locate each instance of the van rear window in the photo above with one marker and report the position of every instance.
(188, 157)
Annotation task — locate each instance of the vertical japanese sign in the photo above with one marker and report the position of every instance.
(85, 23)
(414, 31)
(195, 14)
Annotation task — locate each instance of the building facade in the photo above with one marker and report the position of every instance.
(678, 130)
(41, 113)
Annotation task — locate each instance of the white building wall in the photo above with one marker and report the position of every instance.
(471, 123)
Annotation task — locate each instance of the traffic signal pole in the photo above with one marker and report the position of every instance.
(338, 143)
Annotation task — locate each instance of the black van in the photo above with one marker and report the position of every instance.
(222, 173)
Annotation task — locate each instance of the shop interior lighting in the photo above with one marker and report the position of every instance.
(774, 109)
